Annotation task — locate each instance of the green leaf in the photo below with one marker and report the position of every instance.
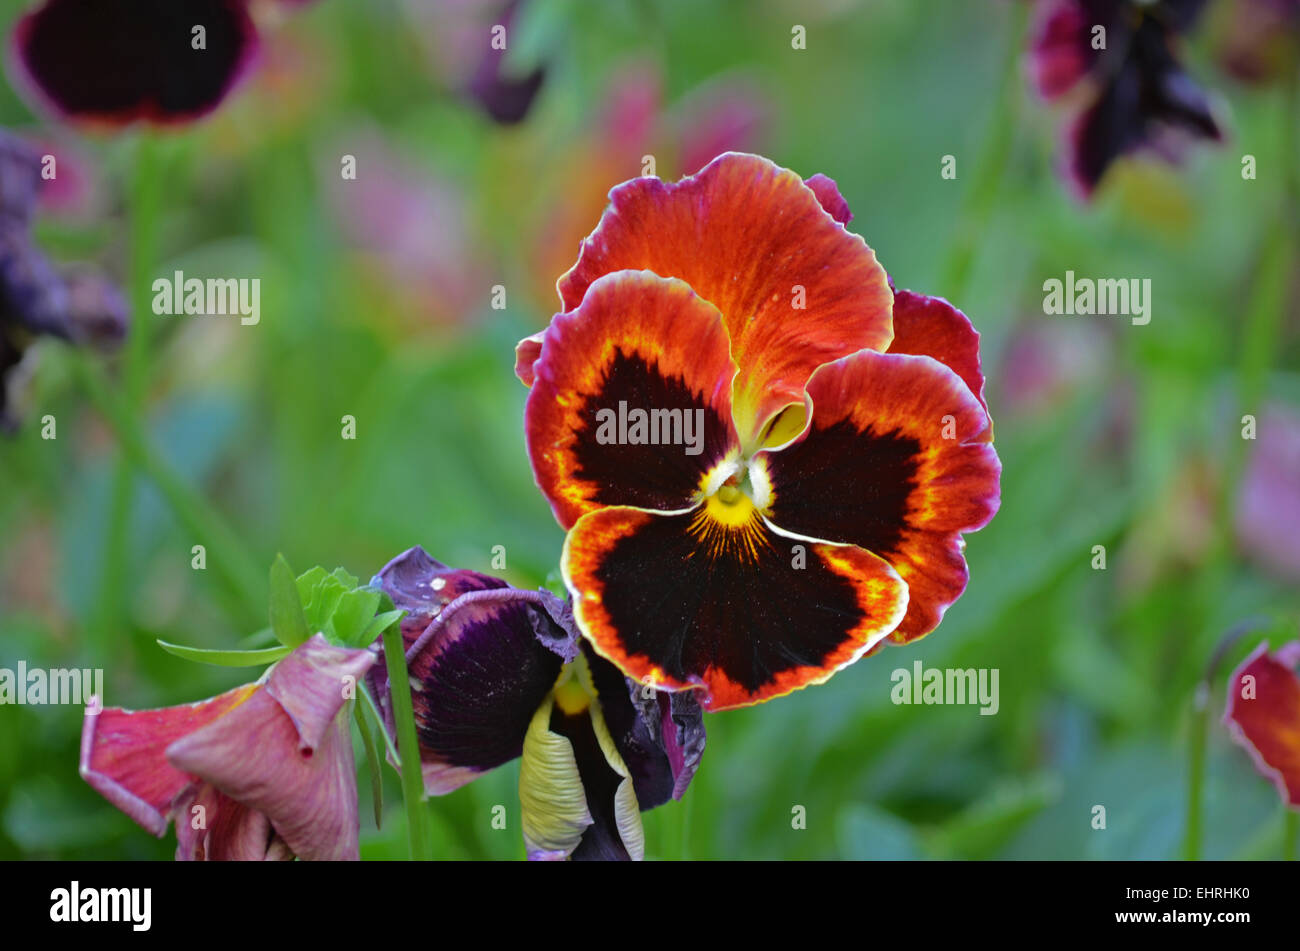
(287, 619)
(307, 582)
(322, 598)
(353, 614)
(254, 658)
(378, 624)
(345, 578)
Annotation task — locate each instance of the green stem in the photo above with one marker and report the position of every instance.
(1196, 772)
(233, 563)
(393, 754)
(970, 233)
(372, 763)
(145, 204)
(399, 687)
(1290, 832)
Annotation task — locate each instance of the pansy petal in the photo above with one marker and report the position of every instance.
(932, 327)
(526, 353)
(477, 680)
(659, 735)
(212, 827)
(1061, 50)
(638, 348)
(116, 61)
(553, 803)
(1263, 715)
(313, 683)
(1149, 96)
(577, 797)
(794, 287)
(616, 830)
(688, 600)
(122, 753)
(917, 431)
(828, 193)
(255, 755)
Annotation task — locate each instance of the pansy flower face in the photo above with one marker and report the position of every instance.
(764, 457)
(112, 62)
(498, 673)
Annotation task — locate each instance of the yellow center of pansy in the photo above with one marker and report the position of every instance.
(573, 689)
(735, 491)
(730, 506)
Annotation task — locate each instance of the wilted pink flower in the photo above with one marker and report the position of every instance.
(264, 771)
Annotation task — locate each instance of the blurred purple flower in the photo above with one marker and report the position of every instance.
(1136, 95)
(1268, 506)
(414, 228)
(79, 306)
(458, 37)
(264, 771)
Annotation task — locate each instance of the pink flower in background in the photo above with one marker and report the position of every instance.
(414, 229)
(1268, 507)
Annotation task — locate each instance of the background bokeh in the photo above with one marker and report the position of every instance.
(376, 303)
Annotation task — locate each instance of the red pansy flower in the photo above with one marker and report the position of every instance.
(1263, 715)
(763, 456)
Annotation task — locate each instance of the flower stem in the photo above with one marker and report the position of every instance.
(1196, 772)
(1290, 832)
(399, 686)
(145, 202)
(236, 567)
(991, 165)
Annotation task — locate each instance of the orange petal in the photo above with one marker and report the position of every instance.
(795, 288)
(894, 461)
(637, 344)
(686, 600)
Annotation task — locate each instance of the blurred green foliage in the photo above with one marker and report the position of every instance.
(1098, 668)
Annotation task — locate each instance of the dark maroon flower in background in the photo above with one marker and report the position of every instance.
(37, 300)
(1124, 55)
(506, 98)
(113, 62)
(462, 40)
